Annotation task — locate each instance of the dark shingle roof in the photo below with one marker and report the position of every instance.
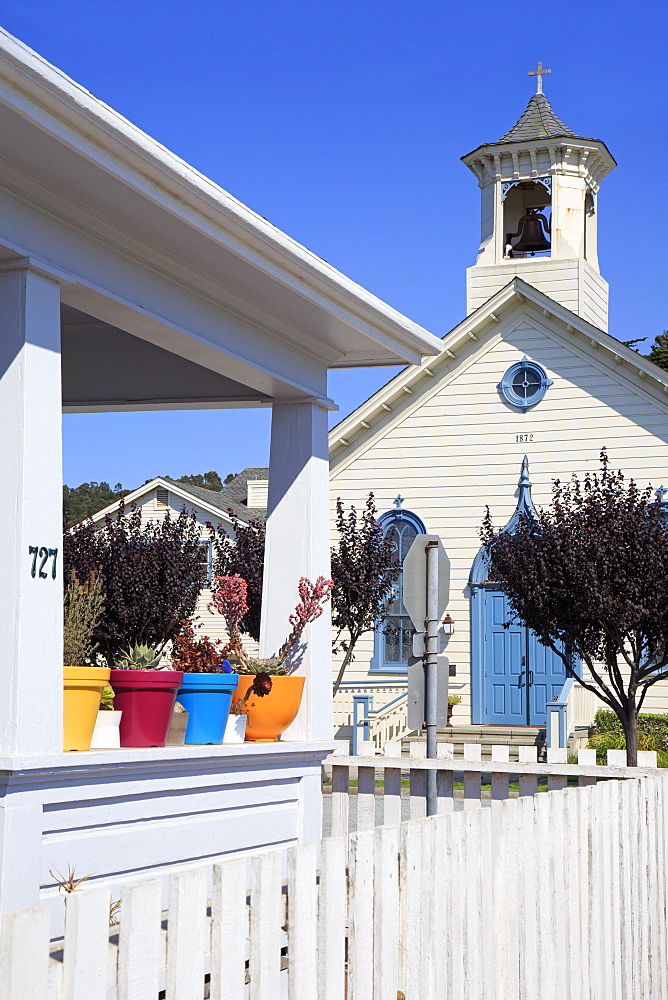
(233, 496)
(538, 122)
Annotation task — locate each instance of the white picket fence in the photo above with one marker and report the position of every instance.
(557, 895)
(376, 783)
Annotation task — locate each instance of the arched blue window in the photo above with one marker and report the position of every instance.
(394, 638)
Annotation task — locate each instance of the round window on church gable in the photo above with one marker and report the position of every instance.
(524, 384)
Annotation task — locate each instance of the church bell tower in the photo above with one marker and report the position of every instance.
(539, 190)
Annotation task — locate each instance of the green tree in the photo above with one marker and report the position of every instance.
(658, 352)
(207, 481)
(80, 502)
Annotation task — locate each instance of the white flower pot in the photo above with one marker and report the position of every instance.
(106, 735)
(235, 729)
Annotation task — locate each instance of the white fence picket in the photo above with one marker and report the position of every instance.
(332, 913)
(472, 779)
(340, 800)
(366, 798)
(418, 783)
(186, 934)
(386, 913)
(455, 882)
(360, 915)
(229, 931)
(473, 902)
(302, 922)
(392, 796)
(410, 910)
(24, 954)
(86, 945)
(266, 919)
(140, 955)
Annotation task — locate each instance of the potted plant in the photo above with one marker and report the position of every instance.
(83, 681)
(267, 692)
(107, 734)
(453, 699)
(207, 686)
(145, 695)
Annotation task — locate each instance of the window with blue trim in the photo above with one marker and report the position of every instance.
(394, 639)
(524, 384)
(206, 563)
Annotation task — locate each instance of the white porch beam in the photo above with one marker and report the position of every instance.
(297, 545)
(31, 609)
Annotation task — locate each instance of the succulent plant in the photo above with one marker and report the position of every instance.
(139, 658)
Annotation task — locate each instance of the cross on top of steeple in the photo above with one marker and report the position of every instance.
(539, 73)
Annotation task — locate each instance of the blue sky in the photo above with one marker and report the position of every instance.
(343, 124)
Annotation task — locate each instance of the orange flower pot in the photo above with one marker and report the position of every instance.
(81, 702)
(270, 716)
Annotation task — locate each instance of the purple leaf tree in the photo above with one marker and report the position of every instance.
(590, 577)
(364, 570)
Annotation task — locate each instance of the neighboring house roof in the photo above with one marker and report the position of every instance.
(538, 122)
(216, 502)
(415, 380)
(234, 496)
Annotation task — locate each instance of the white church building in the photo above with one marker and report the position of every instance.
(531, 371)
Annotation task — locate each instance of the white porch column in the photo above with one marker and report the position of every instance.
(31, 604)
(298, 545)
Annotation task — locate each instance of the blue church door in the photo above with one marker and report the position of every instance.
(520, 676)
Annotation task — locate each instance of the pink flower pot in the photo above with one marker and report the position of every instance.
(146, 699)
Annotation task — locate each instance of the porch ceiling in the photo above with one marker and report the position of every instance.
(104, 368)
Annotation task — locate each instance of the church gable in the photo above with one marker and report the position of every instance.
(459, 414)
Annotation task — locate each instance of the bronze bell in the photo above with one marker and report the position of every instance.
(532, 239)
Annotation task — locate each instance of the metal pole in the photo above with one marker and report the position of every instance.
(431, 667)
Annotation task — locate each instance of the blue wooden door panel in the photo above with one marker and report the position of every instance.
(505, 696)
(548, 676)
(508, 680)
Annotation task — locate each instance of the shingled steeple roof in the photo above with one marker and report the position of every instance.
(538, 122)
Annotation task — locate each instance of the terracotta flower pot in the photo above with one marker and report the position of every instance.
(146, 699)
(270, 716)
(81, 701)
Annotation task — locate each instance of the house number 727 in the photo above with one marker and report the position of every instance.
(43, 554)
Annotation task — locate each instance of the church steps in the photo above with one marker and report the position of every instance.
(487, 736)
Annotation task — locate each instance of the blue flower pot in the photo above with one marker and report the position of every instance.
(207, 699)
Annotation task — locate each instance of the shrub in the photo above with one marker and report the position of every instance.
(83, 607)
(602, 741)
(654, 726)
(150, 575)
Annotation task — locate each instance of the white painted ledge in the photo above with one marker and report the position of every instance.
(243, 755)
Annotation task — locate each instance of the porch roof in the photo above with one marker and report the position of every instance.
(139, 208)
